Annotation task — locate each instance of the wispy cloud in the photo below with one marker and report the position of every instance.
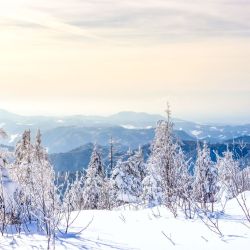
(133, 20)
(99, 55)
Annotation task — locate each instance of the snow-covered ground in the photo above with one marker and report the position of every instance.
(143, 229)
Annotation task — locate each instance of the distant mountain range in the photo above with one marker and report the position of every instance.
(78, 159)
(131, 129)
(241, 139)
(70, 139)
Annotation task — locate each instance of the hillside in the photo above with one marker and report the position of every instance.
(143, 229)
(78, 159)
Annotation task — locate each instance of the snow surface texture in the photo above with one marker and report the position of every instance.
(146, 229)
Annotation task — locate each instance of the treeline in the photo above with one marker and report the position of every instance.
(165, 179)
(31, 193)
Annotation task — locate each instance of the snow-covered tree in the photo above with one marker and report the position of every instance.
(22, 167)
(8, 190)
(21, 172)
(125, 181)
(205, 184)
(32, 169)
(153, 193)
(183, 184)
(139, 159)
(111, 157)
(245, 178)
(73, 199)
(44, 197)
(228, 173)
(35, 177)
(159, 185)
(93, 193)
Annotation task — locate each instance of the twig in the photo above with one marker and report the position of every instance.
(168, 238)
(204, 238)
(86, 226)
(122, 218)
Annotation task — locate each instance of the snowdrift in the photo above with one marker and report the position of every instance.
(144, 229)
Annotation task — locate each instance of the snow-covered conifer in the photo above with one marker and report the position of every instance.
(183, 181)
(245, 179)
(42, 171)
(8, 189)
(125, 181)
(73, 199)
(93, 193)
(159, 183)
(22, 167)
(139, 161)
(205, 184)
(35, 177)
(45, 201)
(228, 173)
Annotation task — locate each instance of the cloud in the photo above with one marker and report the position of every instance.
(25, 16)
(117, 20)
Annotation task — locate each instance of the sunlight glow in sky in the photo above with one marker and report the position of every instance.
(101, 57)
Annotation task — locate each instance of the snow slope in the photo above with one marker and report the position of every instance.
(144, 229)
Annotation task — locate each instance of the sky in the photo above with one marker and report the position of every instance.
(104, 56)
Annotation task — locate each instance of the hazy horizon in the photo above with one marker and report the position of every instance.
(226, 120)
(101, 57)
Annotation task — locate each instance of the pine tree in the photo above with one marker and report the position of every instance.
(93, 194)
(182, 175)
(42, 170)
(152, 184)
(125, 181)
(21, 172)
(45, 201)
(228, 172)
(8, 189)
(153, 191)
(139, 161)
(35, 177)
(245, 179)
(73, 200)
(205, 184)
(9, 209)
(22, 166)
(159, 183)
(111, 157)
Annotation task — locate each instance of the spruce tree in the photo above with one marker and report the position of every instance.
(93, 193)
(205, 183)
(22, 168)
(228, 173)
(73, 199)
(159, 183)
(125, 181)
